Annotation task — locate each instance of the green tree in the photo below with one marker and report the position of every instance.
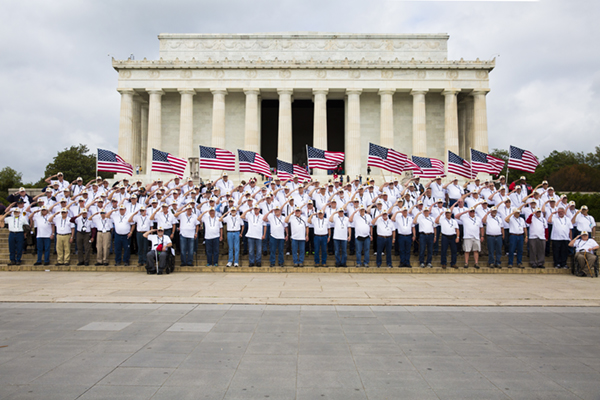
(576, 178)
(74, 162)
(593, 159)
(9, 178)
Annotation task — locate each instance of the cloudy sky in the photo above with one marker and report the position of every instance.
(57, 86)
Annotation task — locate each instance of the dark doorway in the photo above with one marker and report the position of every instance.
(302, 128)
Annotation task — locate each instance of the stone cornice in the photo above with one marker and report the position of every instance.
(302, 64)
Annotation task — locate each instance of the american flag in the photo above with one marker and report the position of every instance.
(250, 161)
(112, 162)
(411, 166)
(459, 166)
(214, 158)
(430, 167)
(322, 159)
(286, 170)
(388, 159)
(522, 160)
(166, 162)
(482, 162)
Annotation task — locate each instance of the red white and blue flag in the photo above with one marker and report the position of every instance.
(522, 160)
(429, 167)
(112, 162)
(215, 158)
(286, 170)
(166, 162)
(459, 166)
(250, 161)
(482, 162)
(322, 159)
(388, 159)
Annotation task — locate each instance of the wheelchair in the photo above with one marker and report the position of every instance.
(593, 267)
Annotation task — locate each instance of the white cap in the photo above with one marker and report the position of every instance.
(122, 207)
(224, 173)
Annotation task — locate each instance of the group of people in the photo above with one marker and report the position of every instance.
(279, 217)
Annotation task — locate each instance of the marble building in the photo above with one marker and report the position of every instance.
(273, 93)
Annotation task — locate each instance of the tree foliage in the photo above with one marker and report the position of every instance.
(576, 178)
(73, 162)
(9, 178)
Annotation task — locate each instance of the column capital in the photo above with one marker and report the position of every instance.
(248, 91)
(155, 91)
(219, 91)
(320, 91)
(386, 91)
(126, 91)
(353, 91)
(480, 91)
(187, 91)
(285, 91)
(450, 91)
(418, 92)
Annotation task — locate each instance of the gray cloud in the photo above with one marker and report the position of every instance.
(58, 87)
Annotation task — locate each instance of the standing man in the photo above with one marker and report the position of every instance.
(403, 234)
(584, 222)
(494, 230)
(16, 236)
(385, 233)
(256, 234)
(473, 235)
(44, 234)
(321, 226)
(234, 225)
(123, 232)
(278, 234)
(450, 232)
(561, 236)
(188, 230)
(299, 235)
(341, 236)
(363, 232)
(64, 236)
(537, 238)
(103, 232)
(142, 225)
(518, 236)
(213, 235)
(83, 226)
(426, 235)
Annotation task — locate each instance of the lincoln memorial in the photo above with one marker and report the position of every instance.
(274, 93)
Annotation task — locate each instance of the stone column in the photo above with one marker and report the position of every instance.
(386, 124)
(320, 124)
(186, 126)
(284, 143)
(451, 122)
(353, 160)
(419, 123)
(154, 126)
(126, 125)
(251, 138)
(480, 129)
(144, 136)
(137, 133)
(218, 118)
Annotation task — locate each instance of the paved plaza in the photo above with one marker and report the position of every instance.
(187, 351)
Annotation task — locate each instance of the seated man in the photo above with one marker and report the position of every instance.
(584, 254)
(161, 245)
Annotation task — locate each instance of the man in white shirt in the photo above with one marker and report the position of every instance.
(537, 238)
(385, 232)
(161, 245)
(44, 234)
(213, 235)
(83, 227)
(299, 235)
(321, 237)
(494, 234)
(341, 236)
(584, 222)
(560, 236)
(16, 236)
(437, 189)
(123, 231)
(473, 235)
(427, 233)
(450, 236)
(454, 191)
(403, 235)
(363, 232)
(584, 254)
(518, 236)
(234, 224)
(102, 235)
(277, 234)
(64, 236)
(256, 234)
(188, 233)
(224, 184)
(143, 224)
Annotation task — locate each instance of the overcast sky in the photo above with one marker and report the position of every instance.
(57, 86)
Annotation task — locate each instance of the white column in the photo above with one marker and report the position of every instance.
(451, 122)
(320, 124)
(386, 124)
(251, 138)
(126, 125)
(186, 126)
(353, 160)
(136, 133)
(218, 118)
(154, 125)
(419, 123)
(144, 137)
(284, 143)
(480, 120)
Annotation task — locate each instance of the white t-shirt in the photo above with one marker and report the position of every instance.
(362, 225)
(561, 227)
(187, 225)
(471, 226)
(516, 225)
(44, 228)
(277, 226)
(164, 240)
(584, 223)
(143, 222)
(426, 224)
(404, 224)
(537, 228)
(255, 225)
(384, 227)
(234, 223)
(102, 224)
(454, 191)
(340, 227)
(165, 220)
(122, 226)
(321, 225)
(494, 225)
(585, 245)
(298, 227)
(449, 226)
(63, 225)
(83, 225)
(212, 227)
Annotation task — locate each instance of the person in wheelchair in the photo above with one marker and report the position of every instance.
(585, 257)
(159, 251)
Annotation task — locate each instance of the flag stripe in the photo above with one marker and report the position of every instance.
(459, 166)
(215, 158)
(250, 161)
(111, 162)
(322, 159)
(166, 162)
(388, 159)
(522, 160)
(428, 167)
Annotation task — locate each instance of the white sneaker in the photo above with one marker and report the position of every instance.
(287, 254)
(229, 264)
(236, 265)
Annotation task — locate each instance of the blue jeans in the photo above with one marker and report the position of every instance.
(516, 243)
(340, 251)
(233, 241)
(384, 244)
(449, 241)
(266, 243)
(187, 250)
(212, 251)
(298, 247)
(404, 243)
(121, 248)
(425, 243)
(142, 243)
(361, 246)
(494, 244)
(43, 247)
(254, 250)
(276, 246)
(320, 249)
